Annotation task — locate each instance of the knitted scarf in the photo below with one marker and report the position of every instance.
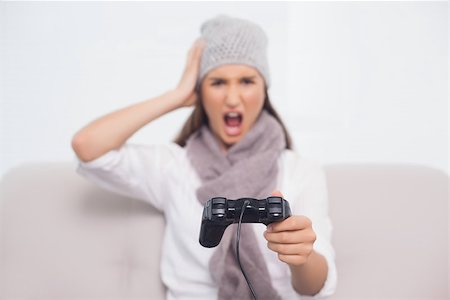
(249, 169)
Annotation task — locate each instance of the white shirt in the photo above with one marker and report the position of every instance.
(163, 176)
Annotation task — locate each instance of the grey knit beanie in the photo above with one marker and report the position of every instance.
(233, 41)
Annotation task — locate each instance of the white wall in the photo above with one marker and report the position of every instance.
(355, 82)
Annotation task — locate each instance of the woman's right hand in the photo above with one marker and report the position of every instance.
(186, 87)
(112, 130)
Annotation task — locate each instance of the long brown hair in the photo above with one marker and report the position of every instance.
(198, 118)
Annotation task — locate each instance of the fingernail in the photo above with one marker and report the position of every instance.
(269, 228)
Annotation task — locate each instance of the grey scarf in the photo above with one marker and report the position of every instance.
(249, 169)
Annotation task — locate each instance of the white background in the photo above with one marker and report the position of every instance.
(354, 81)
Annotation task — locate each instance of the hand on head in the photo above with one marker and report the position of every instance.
(186, 86)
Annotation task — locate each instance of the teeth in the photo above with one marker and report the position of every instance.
(233, 114)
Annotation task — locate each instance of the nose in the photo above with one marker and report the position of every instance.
(233, 97)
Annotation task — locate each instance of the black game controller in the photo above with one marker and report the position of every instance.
(219, 212)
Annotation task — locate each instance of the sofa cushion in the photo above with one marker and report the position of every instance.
(390, 231)
(61, 236)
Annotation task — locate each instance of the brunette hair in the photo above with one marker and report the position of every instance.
(198, 118)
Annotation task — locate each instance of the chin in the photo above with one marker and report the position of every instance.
(230, 141)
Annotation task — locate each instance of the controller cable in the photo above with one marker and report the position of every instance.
(237, 249)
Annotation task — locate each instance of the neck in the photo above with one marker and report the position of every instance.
(223, 147)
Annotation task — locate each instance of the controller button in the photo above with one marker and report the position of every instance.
(218, 209)
(219, 212)
(218, 200)
(275, 210)
(274, 200)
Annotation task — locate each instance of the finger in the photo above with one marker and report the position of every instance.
(201, 43)
(277, 193)
(295, 260)
(199, 49)
(291, 223)
(291, 249)
(291, 237)
(195, 55)
(192, 51)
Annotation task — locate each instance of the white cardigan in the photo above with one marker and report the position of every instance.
(163, 176)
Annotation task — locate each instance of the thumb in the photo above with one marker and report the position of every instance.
(277, 193)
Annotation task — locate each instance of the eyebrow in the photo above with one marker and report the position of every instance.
(243, 77)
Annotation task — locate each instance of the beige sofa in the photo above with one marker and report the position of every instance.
(63, 238)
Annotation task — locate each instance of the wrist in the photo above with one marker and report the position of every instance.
(305, 264)
(309, 278)
(175, 98)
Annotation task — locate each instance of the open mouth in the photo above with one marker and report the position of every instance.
(233, 121)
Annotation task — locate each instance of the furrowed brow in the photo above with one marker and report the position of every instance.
(243, 77)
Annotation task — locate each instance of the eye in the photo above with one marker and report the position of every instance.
(247, 81)
(217, 82)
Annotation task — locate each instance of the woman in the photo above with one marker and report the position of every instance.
(233, 145)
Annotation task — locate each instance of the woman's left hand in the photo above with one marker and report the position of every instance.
(292, 238)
